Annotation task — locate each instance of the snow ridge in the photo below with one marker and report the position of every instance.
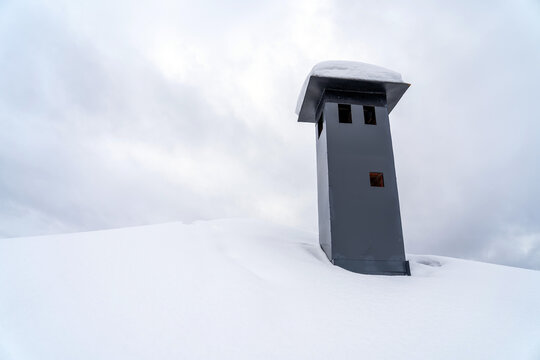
(247, 289)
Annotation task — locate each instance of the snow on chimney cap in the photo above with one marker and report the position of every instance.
(347, 76)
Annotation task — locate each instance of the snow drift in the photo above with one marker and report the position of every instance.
(244, 289)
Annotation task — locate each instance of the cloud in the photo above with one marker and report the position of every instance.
(122, 113)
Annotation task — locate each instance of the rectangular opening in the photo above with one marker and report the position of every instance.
(344, 111)
(376, 179)
(319, 126)
(369, 115)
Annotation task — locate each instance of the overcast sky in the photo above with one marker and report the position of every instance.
(120, 113)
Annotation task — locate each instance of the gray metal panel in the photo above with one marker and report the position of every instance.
(347, 97)
(323, 194)
(365, 221)
(374, 267)
(317, 86)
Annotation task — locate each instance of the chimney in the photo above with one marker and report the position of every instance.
(359, 217)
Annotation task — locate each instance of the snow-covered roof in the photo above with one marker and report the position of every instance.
(348, 75)
(246, 289)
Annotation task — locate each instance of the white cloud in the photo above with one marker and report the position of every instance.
(122, 113)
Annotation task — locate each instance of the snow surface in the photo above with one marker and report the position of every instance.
(245, 289)
(348, 70)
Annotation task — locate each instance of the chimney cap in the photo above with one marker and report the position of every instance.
(347, 76)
